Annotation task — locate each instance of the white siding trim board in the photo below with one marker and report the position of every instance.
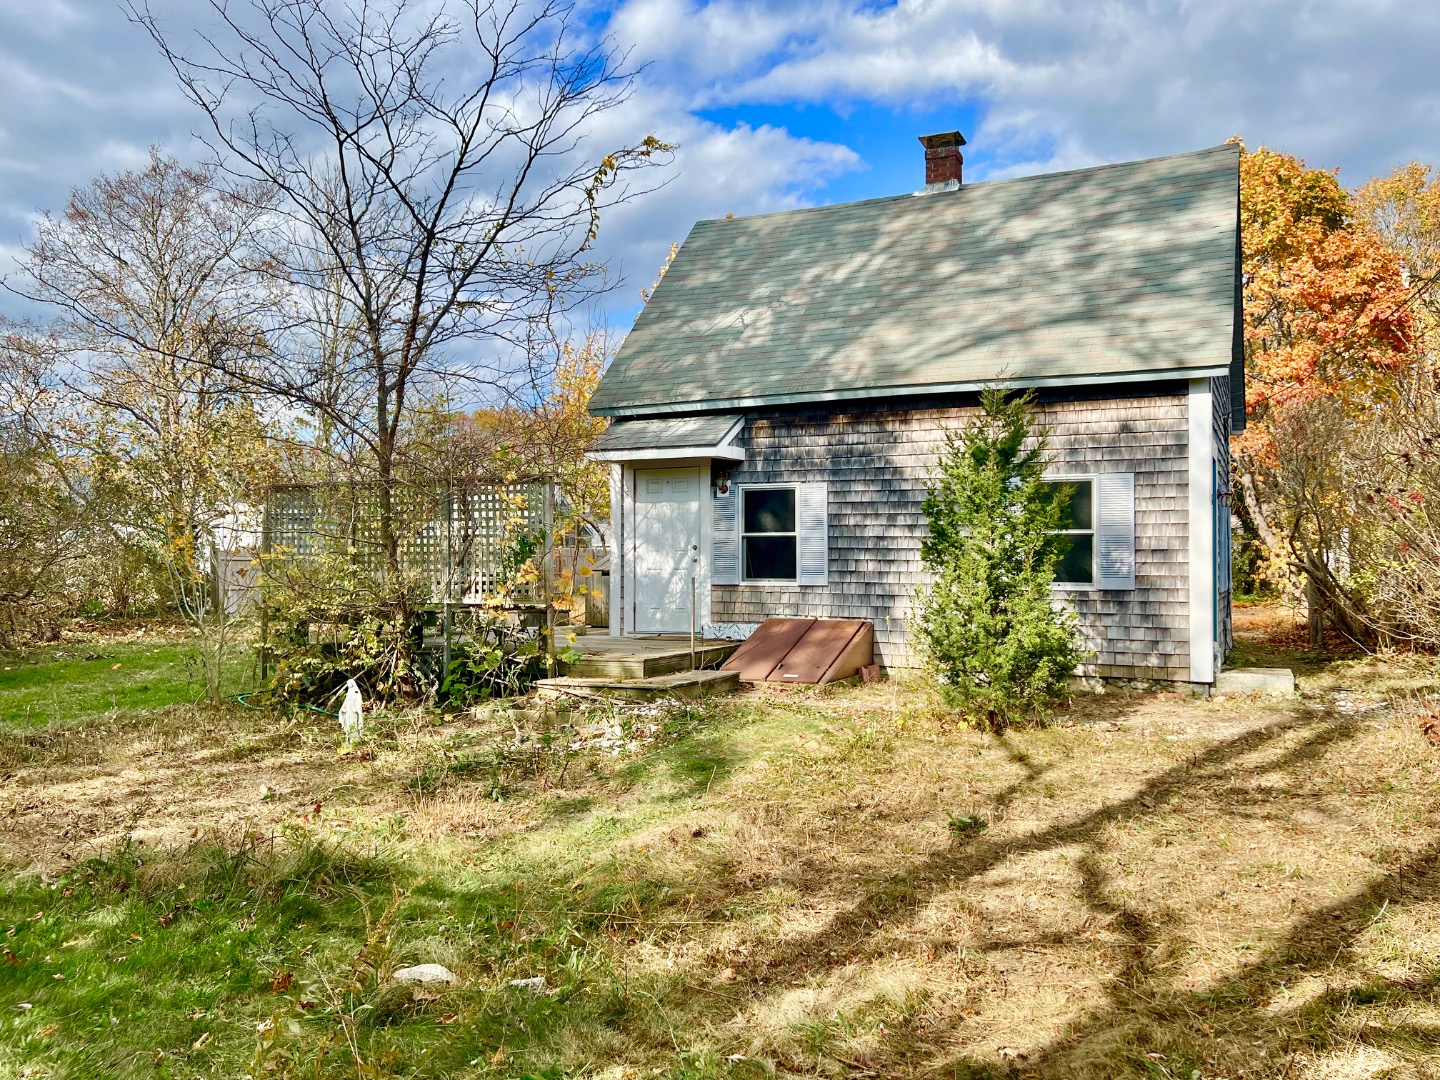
(1201, 475)
(618, 591)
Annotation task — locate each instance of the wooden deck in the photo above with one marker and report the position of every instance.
(608, 657)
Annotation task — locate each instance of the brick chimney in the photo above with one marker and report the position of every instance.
(942, 160)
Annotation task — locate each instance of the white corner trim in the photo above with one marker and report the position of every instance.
(1202, 533)
(707, 527)
(618, 535)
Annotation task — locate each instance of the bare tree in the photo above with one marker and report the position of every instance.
(160, 296)
(41, 519)
(433, 171)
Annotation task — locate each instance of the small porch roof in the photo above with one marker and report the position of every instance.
(667, 438)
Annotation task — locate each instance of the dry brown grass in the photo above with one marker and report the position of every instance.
(1162, 887)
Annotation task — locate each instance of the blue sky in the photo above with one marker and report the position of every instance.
(776, 105)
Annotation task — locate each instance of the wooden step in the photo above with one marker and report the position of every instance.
(645, 660)
(680, 684)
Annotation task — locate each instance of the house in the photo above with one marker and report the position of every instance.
(781, 400)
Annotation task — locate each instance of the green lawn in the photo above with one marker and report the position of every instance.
(67, 684)
(827, 884)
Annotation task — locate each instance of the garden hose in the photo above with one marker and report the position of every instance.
(244, 699)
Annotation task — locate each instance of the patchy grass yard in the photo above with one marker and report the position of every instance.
(827, 883)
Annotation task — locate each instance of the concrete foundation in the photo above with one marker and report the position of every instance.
(1279, 682)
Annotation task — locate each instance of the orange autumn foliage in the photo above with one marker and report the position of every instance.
(1325, 297)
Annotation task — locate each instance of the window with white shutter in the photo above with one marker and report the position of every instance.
(771, 533)
(1098, 523)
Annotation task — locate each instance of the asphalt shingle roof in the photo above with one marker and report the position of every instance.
(667, 433)
(1123, 271)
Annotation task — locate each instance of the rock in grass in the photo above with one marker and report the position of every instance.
(535, 985)
(426, 975)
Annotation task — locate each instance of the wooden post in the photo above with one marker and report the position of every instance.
(548, 525)
(445, 624)
(264, 606)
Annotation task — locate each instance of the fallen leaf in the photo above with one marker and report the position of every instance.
(48, 1030)
(202, 1042)
(114, 667)
(281, 982)
(1430, 728)
(728, 975)
(499, 1057)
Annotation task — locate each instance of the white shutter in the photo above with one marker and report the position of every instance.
(812, 528)
(725, 538)
(1115, 531)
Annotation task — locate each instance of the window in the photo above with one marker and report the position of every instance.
(1077, 564)
(768, 536)
(768, 533)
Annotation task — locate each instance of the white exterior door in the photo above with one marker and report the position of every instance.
(667, 548)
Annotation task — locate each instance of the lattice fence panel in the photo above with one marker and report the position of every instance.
(466, 540)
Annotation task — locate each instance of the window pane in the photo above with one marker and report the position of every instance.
(1078, 511)
(1077, 565)
(770, 558)
(770, 510)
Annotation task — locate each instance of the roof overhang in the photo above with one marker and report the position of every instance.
(671, 439)
(659, 409)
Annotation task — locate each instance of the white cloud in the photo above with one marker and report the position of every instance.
(1340, 81)
(717, 171)
(1057, 83)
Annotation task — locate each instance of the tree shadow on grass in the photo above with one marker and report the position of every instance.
(1207, 771)
(1149, 1025)
(1237, 1023)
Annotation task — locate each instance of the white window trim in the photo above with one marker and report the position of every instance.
(740, 491)
(1093, 479)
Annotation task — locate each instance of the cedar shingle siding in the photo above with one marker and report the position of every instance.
(876, 460)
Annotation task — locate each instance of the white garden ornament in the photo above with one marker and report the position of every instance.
(352, 714)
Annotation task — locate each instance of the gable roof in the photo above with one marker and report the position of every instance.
(1116, 273)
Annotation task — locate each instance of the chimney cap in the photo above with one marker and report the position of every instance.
(943, 139)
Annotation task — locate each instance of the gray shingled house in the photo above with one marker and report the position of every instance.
(779, 404)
